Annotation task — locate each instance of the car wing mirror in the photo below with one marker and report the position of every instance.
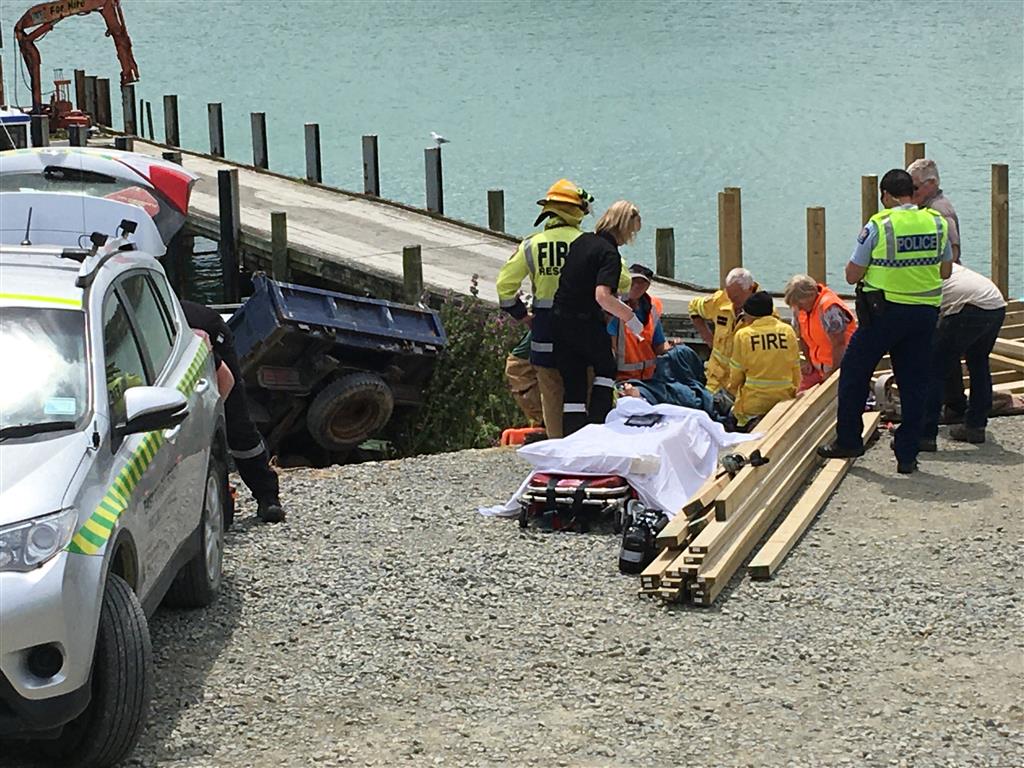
(152, 408)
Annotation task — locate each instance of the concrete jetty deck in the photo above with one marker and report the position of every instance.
(360, 233)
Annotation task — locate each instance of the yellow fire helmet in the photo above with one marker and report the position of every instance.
(565, 191)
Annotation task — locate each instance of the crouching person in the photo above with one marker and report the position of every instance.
(765, 363)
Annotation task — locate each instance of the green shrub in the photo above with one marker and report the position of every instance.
(467, 403)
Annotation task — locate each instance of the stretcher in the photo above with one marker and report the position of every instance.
(574, 502)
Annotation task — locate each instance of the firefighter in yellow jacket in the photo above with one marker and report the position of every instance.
(765, 363)
(720, 310)
(540, 257)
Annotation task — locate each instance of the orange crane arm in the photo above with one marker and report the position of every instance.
(39, 19)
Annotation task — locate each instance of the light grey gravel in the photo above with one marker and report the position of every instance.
(388, 624)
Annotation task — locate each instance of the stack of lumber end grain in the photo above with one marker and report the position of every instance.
(1007, 358)
(708, 541)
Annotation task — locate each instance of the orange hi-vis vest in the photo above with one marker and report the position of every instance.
(637, 359)
(812, 331)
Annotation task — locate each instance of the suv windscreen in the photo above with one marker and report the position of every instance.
(46, 376)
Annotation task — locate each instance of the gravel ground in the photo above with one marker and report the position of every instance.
(386, 623)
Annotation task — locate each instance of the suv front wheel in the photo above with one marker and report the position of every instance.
(107, 731)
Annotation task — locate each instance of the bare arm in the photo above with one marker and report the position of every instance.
(838, 343)
(610, 303)
(701, 326)
(854, 273)
(945, 269)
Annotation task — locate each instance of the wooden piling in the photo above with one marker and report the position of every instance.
(435, 182)
(149, 120)
(128, 107)
(496, 210)
(279, 245)
(40, 131)
(665, 252)
(78, 135)
(1001, 228)
(124, 143)
(371, 166)
(142, 119)
(104, 112)
(172, 132)
(172, 156)
(816, 244)
(868, 198)
(260, 156)
(79, 90)
(314, 164)
(730, 232)
(215, 115)
(230, 230)
(912, 150)
(91, 96)
(3, 96)
(412, 273)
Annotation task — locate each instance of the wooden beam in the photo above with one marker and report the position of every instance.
(1002, 362)
(1009, 348)
(799, 518)
(1012, 331)
(650, 577)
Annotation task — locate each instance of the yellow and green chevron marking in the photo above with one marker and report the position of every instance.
(96, 531)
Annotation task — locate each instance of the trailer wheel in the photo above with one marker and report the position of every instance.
(349, 410)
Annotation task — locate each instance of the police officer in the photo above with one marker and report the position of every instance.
(901, 258)
(245, 444)
(540, 257)
(592, 275)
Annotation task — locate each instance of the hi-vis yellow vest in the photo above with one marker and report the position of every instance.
(539, 257)
(905, 261)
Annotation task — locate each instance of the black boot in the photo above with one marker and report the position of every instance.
(270, 511)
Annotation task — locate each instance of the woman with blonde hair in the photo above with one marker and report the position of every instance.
(591, 277)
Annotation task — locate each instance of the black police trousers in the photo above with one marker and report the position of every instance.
(581, 343)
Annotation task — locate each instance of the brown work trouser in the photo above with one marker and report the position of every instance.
(525, 389)
(550, 382)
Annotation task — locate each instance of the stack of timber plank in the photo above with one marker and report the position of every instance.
(708, 541)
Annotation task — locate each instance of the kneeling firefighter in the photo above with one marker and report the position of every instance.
(540, 257)
(592, 275)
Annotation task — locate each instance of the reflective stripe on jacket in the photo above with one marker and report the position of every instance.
(765, 367)
(812, 331)
(905, 261)
(637, 359)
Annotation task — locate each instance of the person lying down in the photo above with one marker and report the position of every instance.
(678, 380)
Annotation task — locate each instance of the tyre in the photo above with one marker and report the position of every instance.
(198, 581)
(349, 410)
(107, 731)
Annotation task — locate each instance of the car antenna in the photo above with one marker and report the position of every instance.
(28, 229)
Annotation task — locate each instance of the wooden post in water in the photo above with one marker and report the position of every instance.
(124, 143)
(435, 183)
(412, 273)
(730, 233)
(142, 118)
(816, 244)
(131, 117)
(104, 115)
(371, 166)
(912, 150)
(868, 198)
(3, 96)
(279, 246)
(215, 115)
(1001, 228)
(78, 135)
(260, 157)
(40, 131)
(665, 252)
(79, 90)
(496, 210)
(314, 164)
(91, 96)
(230, 230)
(149, 119)
(172, 133)
(171, 156)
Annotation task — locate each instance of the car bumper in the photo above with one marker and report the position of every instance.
(55, 607)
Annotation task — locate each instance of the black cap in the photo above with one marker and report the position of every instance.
(639, 270)
(759, 304)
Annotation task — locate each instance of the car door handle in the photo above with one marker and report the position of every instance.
(170, 435)
(202, 385)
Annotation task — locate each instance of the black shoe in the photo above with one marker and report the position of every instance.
(906, 467)
(270, 511)
(836, 451)
(964, 434)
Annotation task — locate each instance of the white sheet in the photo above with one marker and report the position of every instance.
(665, 463)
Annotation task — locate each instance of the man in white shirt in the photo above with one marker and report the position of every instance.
(970, 317)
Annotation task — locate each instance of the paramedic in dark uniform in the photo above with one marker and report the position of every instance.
(592, 275)
(245, 444)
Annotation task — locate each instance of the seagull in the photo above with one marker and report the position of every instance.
(438, 138)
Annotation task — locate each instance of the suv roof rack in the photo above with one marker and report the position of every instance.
(104, 249)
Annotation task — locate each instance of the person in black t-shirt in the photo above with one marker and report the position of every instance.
(592, 275)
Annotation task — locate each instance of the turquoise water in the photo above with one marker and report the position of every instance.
(661, 103)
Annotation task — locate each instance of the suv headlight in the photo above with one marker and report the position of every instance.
(29, 544)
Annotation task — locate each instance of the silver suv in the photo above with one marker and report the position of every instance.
(113, 491)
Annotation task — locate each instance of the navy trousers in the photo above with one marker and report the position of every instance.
(968, 335)
(905, 331)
